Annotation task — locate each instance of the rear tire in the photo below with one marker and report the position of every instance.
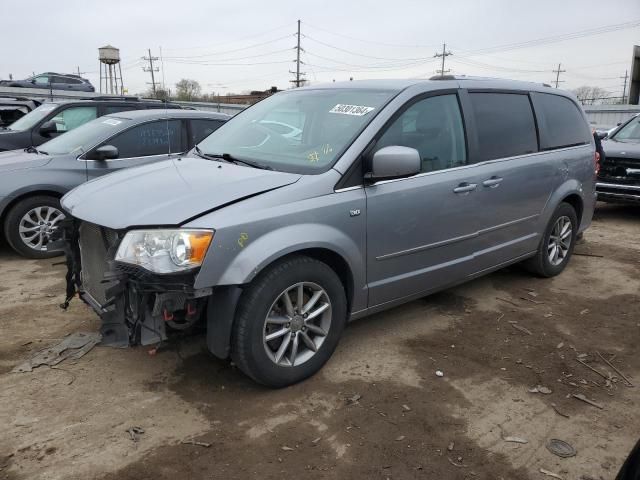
(556, 246)
(279, 342)
(37, 216)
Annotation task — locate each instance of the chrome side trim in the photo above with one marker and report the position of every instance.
(616, 185)
(348, 189)
(450, 241)
(488, 162)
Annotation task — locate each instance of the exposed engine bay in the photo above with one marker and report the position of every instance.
(137, 307)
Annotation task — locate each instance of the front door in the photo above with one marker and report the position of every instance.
(145, 143)
(421, 231)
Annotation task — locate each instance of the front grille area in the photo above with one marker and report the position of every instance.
(96, 244)
(615, 170)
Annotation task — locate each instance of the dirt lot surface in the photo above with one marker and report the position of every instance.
(377, 410)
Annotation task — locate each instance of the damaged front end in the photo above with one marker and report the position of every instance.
(136, 305)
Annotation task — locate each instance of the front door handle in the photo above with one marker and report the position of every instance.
(493, 182)
(465, 187)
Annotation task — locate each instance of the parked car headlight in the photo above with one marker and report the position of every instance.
(165, 251)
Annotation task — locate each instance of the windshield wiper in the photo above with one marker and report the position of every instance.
(34, 150)
(231, 159)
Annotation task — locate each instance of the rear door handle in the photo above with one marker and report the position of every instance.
(465, 187)
(493, 182)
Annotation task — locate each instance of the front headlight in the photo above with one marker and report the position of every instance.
(165, 251)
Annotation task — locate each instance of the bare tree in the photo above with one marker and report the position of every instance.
(187, 89)
(588, 95)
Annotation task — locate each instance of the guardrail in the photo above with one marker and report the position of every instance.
(42, 94)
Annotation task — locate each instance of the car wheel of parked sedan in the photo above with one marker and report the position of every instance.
(30, 223)
(289, 321)
(557, 243)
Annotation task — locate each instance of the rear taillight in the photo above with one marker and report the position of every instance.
(596, 160)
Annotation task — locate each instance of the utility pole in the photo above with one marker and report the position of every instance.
(298, 80)
(151, 69)
(624, 88)
(558, 72)
(444, 55)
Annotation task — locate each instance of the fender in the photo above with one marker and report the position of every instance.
(263, 251)
(30, 189)
(567, 188)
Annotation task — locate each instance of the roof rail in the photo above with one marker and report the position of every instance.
(130, 98)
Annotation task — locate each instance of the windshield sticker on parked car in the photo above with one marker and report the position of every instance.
(358, 110)
(111, 121)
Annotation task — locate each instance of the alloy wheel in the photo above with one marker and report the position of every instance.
(560, 241)
(297, 324)
(37, 225)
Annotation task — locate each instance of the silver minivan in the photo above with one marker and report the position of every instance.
(321, 205)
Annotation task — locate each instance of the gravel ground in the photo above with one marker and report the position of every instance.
(377, 410)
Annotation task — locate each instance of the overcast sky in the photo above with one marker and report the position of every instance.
(239, 45)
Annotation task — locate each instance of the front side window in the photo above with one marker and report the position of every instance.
(505, 125)
(153, 138)
(42, 80)
(432, 126)
(301, 131)
(73, 117)
(86, 136)
(630, 132)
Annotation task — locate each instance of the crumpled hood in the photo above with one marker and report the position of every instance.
(630, 150)
(168, 193)
(19, 160)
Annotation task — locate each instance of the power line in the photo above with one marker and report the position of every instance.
(558, 72)
(151, 69)
(213, 54)
(298, 80)
(624, 88)
(308, 37)
(443, 55)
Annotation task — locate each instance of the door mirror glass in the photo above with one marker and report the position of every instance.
(394, 162)
(48, 128)
(106, 152)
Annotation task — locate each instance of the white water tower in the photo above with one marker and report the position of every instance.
(109, 57)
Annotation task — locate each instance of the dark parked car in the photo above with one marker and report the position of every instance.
(619, 175)
(54, 118)
(275, 238)
(12, 108)
(53, 81)
(32, 181)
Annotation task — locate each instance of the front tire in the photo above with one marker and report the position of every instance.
(289, 322)
(557, 243)
(30, 223)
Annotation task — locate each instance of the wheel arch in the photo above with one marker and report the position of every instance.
(24, 194)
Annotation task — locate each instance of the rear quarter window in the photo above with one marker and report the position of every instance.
(561, 122)
(505, 125)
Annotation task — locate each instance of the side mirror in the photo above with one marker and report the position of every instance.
(47, 128)
(106, 152)
(394, 162)
(602, 135)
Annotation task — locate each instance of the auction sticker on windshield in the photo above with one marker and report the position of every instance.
(357, 110)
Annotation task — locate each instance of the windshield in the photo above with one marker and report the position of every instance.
(84, 137)
(33, 117)
(630, 132)
(301, 131)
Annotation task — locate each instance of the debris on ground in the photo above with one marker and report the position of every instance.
(406, 408)
(400, 438)
(515, 325)
(451, 446)
(353, 399)
(581, 397)
(540, 389)
(555, 408)
(73, 346)
(134, 433)
(459, 465)
(561, 448)
(516, 440)
(439, 373)
(286, 449)
(549, 473)
(195, 442)
(615, 369)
